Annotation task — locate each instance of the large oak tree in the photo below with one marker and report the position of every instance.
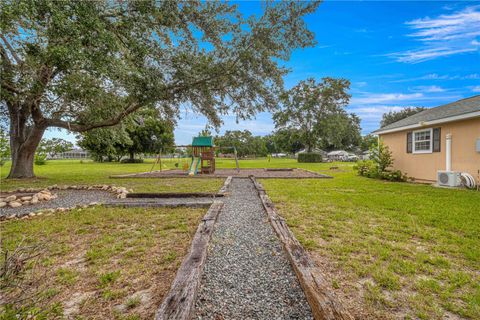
(80, 65)
(316, 111)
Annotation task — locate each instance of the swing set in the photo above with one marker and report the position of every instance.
(202, 157)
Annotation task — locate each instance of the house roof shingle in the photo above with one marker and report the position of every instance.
(453, 109)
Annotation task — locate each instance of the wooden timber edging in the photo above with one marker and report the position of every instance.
(323, 302)
(226, 184)
(179, 303)
(143, 204)
(175, 195)
(321, 175)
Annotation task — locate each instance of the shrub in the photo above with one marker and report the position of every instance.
(393, 175)
(309, 157)
(40, 159)
(367, 168)
(128, 160)
(377, 167)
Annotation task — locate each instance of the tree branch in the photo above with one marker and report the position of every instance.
(85, 127)
(10, 48)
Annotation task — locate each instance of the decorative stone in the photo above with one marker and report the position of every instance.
(10, 198)
(25, 203)
(26, 198)
(3, 204)
(93, 203)
(34, 200)
(15, 204)
(32, 214)
(123, 195)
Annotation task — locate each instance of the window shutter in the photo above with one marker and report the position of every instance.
(437, 141)
(409, 142)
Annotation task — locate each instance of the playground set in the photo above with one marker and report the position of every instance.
(203, 156)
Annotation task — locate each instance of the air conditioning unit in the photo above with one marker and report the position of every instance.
(449, 178)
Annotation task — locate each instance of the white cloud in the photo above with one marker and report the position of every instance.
(428, 89)
(375, 112)
(475, 88)
(390, 98)
(436, 76)
(416, 56)
(442, 36)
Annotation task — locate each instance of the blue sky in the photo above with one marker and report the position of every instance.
(396, 54)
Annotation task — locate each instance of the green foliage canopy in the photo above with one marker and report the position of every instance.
(316, 111)
(394, 116)
(81, 65)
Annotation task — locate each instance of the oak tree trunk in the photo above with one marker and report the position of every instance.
(24, 140)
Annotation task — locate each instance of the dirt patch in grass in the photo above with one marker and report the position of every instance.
(99, 263)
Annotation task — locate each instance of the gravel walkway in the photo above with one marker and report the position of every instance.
(247, 274)
(66, 199)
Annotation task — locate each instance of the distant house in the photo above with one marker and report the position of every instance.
(75, 154)
(442, 138)
(338, 155)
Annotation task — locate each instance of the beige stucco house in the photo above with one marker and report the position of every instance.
(442, 138)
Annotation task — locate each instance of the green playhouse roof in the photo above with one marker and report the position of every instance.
(202, 142)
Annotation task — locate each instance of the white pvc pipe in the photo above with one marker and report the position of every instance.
(448, 153)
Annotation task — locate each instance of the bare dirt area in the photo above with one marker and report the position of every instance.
(287, 173)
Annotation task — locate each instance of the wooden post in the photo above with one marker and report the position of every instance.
(324, 304)
(179, 303)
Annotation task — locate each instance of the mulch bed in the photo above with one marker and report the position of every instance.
(287, 173)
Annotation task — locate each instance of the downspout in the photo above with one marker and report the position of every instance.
(448, 151)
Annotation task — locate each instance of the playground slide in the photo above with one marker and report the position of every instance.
(194, 166)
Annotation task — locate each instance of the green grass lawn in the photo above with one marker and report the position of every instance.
(397, 249)
(98, 263)
(76, 172)
(390, 250)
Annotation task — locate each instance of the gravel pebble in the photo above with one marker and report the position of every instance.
(65, 199)
(247, 274)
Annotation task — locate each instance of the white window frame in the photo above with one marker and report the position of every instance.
(430, 150)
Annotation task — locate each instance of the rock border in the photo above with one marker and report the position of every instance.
(325, 305)
(47, 212)
(121, 193)
(23, 199)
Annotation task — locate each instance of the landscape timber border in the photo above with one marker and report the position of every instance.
(179, 303)
(323, 302)
(256, 172)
